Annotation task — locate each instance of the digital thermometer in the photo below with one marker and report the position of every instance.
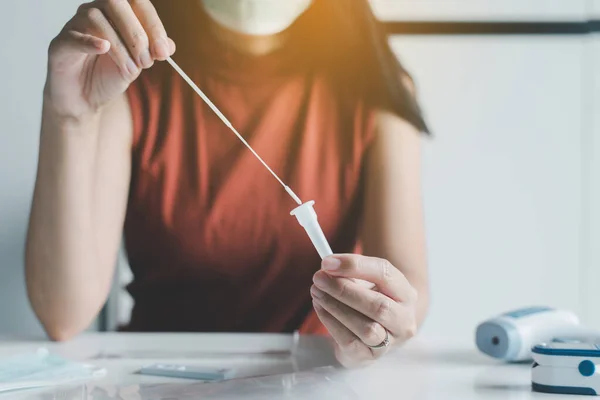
(510, 336)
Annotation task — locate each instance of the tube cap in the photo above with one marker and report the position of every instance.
(307, 218)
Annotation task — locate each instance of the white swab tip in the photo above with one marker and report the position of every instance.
(293, 195)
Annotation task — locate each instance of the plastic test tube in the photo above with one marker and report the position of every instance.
(307, 217)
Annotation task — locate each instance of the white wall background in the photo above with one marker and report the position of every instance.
(511, 175)
(595, 8)
(26, 28)
(592, 155)
(503, 173)
(477, 10)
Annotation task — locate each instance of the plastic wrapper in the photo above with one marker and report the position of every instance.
(322, 383)
(43, 369)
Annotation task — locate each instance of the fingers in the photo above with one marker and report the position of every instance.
(397, 318)
(172, 46)
(129, 29)
(342, 335)
(388, 279)
(74, 45)
(348, 343)
(138, 23)
(92, 21)
(133, 28)
(76, 42)
(367, 330)
(160, 45)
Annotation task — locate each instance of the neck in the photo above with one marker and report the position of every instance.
(247, 44)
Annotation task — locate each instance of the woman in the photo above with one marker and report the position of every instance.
(127, 146)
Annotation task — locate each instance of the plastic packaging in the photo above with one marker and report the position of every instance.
(321, 383)
(188, 372)
(307, 217)
(316, 384)
(42, 369)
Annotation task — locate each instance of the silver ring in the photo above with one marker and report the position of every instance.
(384, 343)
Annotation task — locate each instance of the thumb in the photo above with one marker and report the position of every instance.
(86, 43)
(73, 43)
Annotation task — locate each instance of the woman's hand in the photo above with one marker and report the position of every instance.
(100, 51)
(358, 314)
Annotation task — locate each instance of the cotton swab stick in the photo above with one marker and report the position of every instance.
(230, 126)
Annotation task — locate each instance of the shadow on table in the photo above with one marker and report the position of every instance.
(505, 388)
(504, 381)
(449, 357)
(463, 357)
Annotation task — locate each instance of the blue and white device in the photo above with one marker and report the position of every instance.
(566, 368)
(510, 336)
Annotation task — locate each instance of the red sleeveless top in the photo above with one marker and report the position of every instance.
(208, 231)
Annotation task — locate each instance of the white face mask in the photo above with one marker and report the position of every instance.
(256, 17)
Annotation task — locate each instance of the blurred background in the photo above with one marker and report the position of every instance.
(511, 90)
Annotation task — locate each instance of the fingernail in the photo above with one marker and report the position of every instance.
(331, 263)
(100, 44)
(316, 293)
(145, 59)
(131, 67)
(320, 280)
(161, 48)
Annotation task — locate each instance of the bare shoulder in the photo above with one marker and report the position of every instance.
(390, 126)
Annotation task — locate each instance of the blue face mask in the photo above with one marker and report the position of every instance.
(42, 369)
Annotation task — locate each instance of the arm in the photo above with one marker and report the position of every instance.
(392, 300)
(77, 215)
(393, 227)
(84, 163)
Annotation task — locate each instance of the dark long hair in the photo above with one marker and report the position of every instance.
(345, 38)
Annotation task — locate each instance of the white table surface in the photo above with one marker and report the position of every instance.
(423, 369)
